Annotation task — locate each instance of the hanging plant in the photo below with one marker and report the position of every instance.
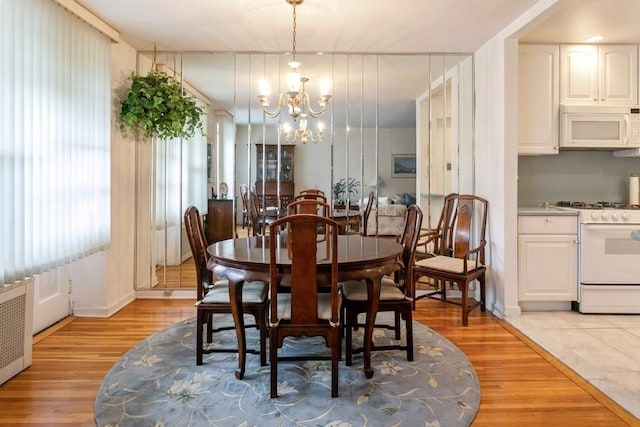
(157, 106)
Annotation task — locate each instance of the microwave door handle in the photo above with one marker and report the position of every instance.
(627, 130)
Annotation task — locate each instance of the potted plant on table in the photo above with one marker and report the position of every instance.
(157, 106)
(344, 189)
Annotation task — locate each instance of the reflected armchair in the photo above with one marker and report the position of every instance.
(459, 253)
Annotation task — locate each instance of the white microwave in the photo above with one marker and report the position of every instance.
(599, 126)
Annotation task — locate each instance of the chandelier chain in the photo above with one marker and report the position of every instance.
(294, 32)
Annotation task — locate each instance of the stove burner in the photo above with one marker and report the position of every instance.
(579, 205)
(597, 205)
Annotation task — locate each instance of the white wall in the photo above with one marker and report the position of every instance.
(107, 286)
(496, 157)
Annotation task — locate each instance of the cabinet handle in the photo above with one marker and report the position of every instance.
(548, 219)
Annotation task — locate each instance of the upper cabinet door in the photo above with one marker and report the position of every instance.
(579, 74)
(618, 74)
(538, 99)
(599, 74)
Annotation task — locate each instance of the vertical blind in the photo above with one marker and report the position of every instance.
(54, 138)
(181, 176)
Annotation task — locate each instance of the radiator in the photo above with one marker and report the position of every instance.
(16, 323)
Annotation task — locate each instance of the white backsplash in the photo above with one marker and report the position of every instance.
(588, 176)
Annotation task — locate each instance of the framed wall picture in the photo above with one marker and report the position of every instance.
(403, 165)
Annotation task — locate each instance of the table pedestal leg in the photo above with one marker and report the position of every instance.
(235, 298)
(373, 290)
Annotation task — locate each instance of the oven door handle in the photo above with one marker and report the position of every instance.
(609, 226)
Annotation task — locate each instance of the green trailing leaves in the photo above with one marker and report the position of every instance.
(156, 106)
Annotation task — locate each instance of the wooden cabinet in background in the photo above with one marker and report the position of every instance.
(268, 159)
(220, 222)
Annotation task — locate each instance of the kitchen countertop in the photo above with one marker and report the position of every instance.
(545, 210)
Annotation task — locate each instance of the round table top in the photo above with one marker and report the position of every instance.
(353, 249)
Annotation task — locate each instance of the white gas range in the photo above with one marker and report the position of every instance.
(609, 259)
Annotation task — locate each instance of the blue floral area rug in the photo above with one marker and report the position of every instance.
(157, 383)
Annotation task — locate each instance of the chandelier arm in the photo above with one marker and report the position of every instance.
(316, 114)
(264, 102)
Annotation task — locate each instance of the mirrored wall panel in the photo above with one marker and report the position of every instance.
(400, 126)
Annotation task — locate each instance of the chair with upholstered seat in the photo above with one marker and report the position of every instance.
(459, 246)
(304, 310)
(394, 294)
(213, 297)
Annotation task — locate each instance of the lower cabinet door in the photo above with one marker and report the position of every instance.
(547, 267)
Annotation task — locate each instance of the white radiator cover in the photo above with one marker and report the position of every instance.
(16, 323)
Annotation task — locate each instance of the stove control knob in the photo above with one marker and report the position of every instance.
(614, 216)
(624, 216)
(605, 216)
(594, 215)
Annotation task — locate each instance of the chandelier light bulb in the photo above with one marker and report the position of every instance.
(293, 81)
(325, 87)
(264, 88)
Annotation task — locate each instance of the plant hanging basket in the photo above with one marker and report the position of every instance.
(156, 106)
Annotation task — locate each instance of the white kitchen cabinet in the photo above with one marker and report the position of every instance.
(547, 258)
(599, 74)
(538, 96)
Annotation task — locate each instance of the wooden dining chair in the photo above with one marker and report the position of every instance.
(244, 198)
(258, 220)
(394, 295)
(312, 192)
(213, 297)
(312, 195)
(459, 257)
(311, 306)
(309, 206)
(366, 212)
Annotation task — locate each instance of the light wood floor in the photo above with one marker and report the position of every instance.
(521, 385)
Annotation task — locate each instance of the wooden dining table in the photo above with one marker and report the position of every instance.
(359, 258)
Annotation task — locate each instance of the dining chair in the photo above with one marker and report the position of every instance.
(258, 221)
(459, 253)
(244, 197)
(312, 195)
(312, 191)
(429, 246)
(394, 295)
(213, 297)
(311, 306)
(366, 212)
(309, 206)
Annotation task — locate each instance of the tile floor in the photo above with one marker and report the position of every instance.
(603, 349)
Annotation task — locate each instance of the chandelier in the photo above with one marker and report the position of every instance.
(303, 134)
(295, 99)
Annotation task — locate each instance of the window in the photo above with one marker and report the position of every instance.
(54, 138)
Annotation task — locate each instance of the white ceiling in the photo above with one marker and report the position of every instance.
(380, 26)
(323, 25)
(352, 26)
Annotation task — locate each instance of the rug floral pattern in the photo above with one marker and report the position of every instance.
(158, 384)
